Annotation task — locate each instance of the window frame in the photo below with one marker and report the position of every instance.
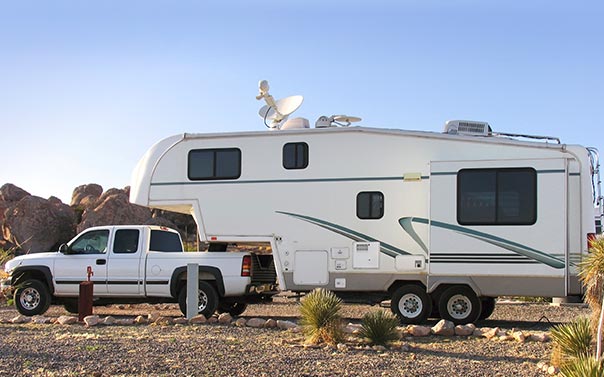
(372, 195)
(214, 152)
(496, 221)
(306, 154)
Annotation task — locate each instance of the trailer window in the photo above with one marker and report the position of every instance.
(206, 164)
(295, 156)
(165, 241)
(506, 196)
(370, 205)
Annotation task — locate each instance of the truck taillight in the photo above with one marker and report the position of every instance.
(590, 238)
(246, 266)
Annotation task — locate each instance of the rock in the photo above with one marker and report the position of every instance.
(504, 338)
(212, 320)
(286, 325)
(342, 347)
(92, 320)
(225, 319)
(40, 320)
(152, 317)
(12, 193)
(240, 322)
(552, 370)
(417, 330)
(540, 364)
(379, 348)
(20, 318)
(518, 336)
(255, 322)
(352, 328)
(492, 333)
(88, 193)
(270, 323)
(125, 322)
(164, 321)
(4, 321)
(35, 224)
(67, 320)
(465, 330)
(109, 320)
(114, 207)
(540, 337)
(180, 321)
(444, 328)
(198, 320)
(140, 320)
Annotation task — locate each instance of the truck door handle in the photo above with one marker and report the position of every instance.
(101, 261)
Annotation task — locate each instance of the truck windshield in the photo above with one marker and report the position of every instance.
(165, 241)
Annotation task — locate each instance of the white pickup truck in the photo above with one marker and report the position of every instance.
(139, 263)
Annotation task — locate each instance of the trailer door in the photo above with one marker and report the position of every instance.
(498, 222)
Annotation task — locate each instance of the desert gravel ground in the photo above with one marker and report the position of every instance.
(216, 350)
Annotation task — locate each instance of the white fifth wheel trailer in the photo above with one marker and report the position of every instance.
(440, 223)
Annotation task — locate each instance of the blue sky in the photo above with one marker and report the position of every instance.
(86, 87)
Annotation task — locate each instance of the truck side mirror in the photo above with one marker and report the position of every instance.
(64, 249)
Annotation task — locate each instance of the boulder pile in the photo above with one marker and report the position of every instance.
(30, 224)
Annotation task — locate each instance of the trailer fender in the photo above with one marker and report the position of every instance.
(438, 284)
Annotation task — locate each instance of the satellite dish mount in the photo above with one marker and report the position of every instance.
(276, 111)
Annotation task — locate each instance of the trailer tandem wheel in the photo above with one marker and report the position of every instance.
(411, 304)
(459, 304)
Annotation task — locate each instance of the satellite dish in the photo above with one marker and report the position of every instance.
(285, 107)
(346, 119)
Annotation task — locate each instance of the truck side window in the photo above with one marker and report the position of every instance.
(295, 156)
(165, 241)
(126, 241)
(93, 242)
(370, 205)
(504, 196)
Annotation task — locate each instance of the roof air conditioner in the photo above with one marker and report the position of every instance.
(467, 127)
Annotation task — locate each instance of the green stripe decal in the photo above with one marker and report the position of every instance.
(493, 240)
(349, 233)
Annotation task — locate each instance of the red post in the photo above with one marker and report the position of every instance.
(85, 297)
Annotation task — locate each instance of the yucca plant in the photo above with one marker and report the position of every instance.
(571, 341)
(591, 273)
(583, 366)
(379, 327)
(321, 321)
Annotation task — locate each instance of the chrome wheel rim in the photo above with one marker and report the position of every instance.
(203, 300)
(459, 306)
(30, 298)
(410, 305)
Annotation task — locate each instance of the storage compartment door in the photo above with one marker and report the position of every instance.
(310, 267)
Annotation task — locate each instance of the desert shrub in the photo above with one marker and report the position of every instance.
(321, 321)
(379, 327)
(583, 366)
(571, 341)
(591, 273)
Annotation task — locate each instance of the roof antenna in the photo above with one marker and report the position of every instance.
(276, 111)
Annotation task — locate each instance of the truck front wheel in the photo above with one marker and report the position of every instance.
(207, 299)
(32, 298)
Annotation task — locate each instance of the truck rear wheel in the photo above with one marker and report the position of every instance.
(459, 304)
(411, 304)
(207, 299)
(233, 308)
(488, 306)
(32, 298)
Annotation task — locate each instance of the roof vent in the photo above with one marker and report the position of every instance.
(467, 127)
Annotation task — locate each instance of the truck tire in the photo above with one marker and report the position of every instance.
(411, 304)
(208, 299)
(32, 298)
(488, 306)
(460, 305)
(71, 306)
(233, 308)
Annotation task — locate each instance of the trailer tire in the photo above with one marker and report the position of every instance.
(71, 306)
(411, 304)
(233, 308)
(32, 298)
(488, 306)
(460, 305)
(208, 299)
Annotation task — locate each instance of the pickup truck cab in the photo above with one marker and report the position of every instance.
(138, 263)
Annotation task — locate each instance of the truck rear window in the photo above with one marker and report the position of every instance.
(165, 241)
